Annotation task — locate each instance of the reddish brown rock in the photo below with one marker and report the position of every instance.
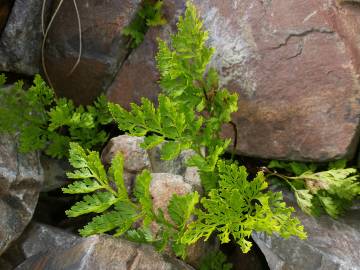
(104, 48)
(295, 65)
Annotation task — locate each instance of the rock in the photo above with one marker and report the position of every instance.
(331, 244)
(38, 238)
(103, 252)
(5, 9)
(162, 188)
(136, 158)
(128, 86)
(21, 177)
(175, 166)
(297, 76)
(104, 48)
(21, 39)
(54, 173)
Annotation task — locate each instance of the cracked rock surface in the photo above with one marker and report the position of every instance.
(21, 177)
(295, 65)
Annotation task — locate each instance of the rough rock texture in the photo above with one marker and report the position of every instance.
(21, 177)
(5, 9)
(168, 177)
(162, 188)
(138, 159)
(331, 244)
(295, 65)
(103, 252)
(20, 41)
(37, 238)
(103, 46)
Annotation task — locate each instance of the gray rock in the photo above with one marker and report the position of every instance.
(41, 237)
(54, 173)
(21, 39)
(21, 177)
(105, 253)
(37, 238)
(175, 166)
(331, 244)
(137, 159)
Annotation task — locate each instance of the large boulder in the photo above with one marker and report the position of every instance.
(294, 64)
(103, 252)
(331, 244)
(21, 39)
(21, 177)
(104, 48)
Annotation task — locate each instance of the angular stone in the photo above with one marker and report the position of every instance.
(331, 244)
(5, 9)
(136, 159)
(21, 177)
(21, 39)
(103, 252)
(128, 86)
(103, 46)
(38, 238)
(297, 75)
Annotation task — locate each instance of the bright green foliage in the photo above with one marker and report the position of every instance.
(105, 194)
(332, 190)
(190, 114)
(215, 260)
(149, 15)
(47, 123)
(193, 110)
(239, 207)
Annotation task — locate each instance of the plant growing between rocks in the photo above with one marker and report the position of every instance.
(316, 192)
(190, 114)
(149, 15)
(45, 122)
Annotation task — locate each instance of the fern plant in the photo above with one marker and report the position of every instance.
(149, 15)
(331, 191)
(47, 123)
(190, 114)
(105, 194)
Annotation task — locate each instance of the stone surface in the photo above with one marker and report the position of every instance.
(103, 252)
(331, 244)
(104, 48)
(5, 9)
(294, 64)
(37, 238)
(136, 158)
(162, 188)
(20, 42)
(21, 177)
(54, 173)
